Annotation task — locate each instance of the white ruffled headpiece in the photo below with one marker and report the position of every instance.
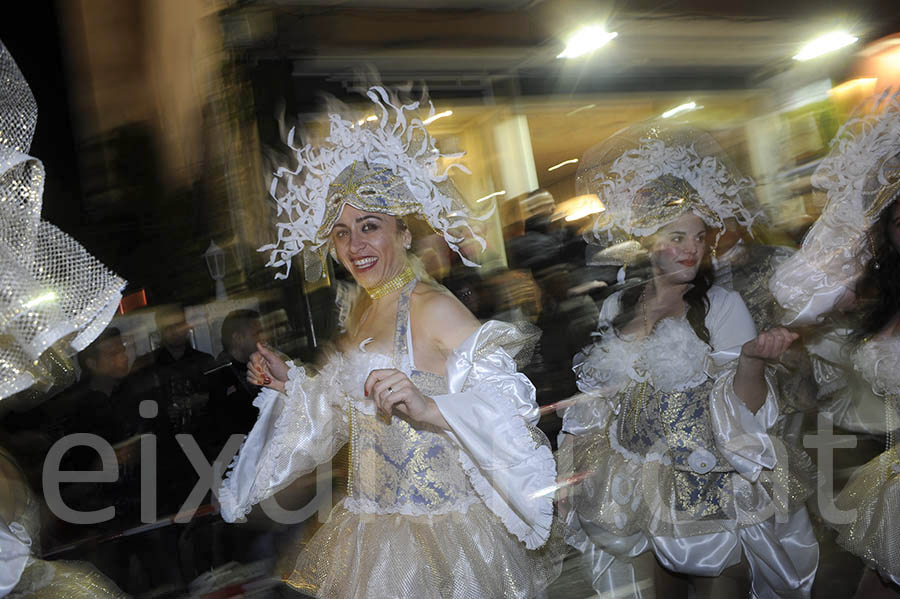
(861, 177)
(637, 158)
(395, 145)
(861, 164)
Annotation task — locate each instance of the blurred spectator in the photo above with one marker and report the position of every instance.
(538, 248)
(566, 322)
(466, 287)
(434, 253)
(176, 370)
(102, 403)
(99, 403)
(516, 296)
(175, 377)
(230, 406)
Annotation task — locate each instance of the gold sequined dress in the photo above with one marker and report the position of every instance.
(462, 514)
(874, 489)
(671, 461)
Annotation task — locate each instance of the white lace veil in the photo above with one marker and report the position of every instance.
(53, 294)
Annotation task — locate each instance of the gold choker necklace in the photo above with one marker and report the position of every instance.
(395, 284)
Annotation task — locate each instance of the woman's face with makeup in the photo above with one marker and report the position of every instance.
(677, 249)
(371, 245)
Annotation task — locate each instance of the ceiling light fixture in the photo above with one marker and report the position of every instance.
(585, 40)
(563, 163)
(437, 116)
(577, 110)
(491, 195)
(825, 44)
(577, 208)
(687, 107)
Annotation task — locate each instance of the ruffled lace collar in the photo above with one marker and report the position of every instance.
(878, 361)
(671, 358)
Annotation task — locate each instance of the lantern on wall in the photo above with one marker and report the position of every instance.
(215, 262)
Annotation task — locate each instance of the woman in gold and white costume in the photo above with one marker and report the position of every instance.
(450, 491)
(669, 440)
(850, 262)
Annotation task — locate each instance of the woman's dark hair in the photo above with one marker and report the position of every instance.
(696, 297)
(878, 289)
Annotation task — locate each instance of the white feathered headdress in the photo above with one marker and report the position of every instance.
(386, 162)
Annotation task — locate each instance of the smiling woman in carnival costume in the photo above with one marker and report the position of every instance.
(451, 485)
(669, 437)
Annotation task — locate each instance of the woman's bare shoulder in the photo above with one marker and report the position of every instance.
(442, 316)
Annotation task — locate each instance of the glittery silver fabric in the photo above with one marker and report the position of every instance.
(52, 292)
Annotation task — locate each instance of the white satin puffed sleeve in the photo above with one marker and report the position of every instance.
(812, 282)
(492, 413)
(15, 549)
(602, 369)
(296, 431)
(740, 434)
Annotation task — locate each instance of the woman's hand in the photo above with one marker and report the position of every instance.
(769, 345)
(392, 390)
(267, 369)
(749, 380)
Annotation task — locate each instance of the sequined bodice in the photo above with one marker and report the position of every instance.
(675, 425)
(401, 468)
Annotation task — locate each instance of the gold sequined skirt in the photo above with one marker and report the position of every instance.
(624, 496)
(874, 492)
(63, 579)
(466, 555)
